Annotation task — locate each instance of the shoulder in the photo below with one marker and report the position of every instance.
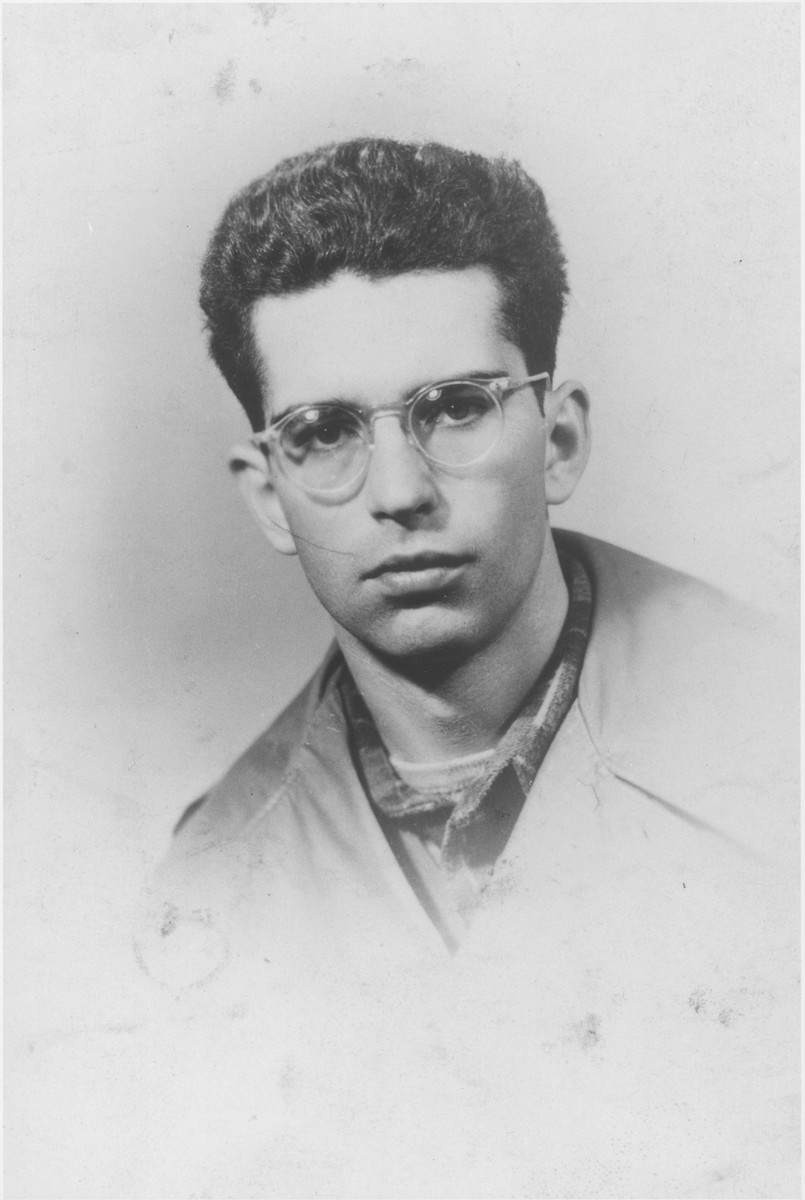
(257, 778)
(659, 631)
(655, 615)
(632, 586)
(187, 930)
(685, 691)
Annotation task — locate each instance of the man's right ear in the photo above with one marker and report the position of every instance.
(250, 465)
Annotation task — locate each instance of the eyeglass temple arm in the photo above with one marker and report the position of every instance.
(506, 385)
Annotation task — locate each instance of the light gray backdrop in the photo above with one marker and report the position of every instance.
(150, 632)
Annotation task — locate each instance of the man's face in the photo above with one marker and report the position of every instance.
(421, 559)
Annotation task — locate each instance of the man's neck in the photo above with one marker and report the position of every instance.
(470, 702)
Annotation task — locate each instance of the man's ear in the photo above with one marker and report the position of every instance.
(250, 465)
(567, 446)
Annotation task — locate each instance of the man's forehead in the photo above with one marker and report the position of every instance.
(354, 334)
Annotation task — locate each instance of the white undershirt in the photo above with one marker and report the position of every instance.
(448, 776)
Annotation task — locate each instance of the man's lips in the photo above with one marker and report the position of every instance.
(415, 563)
(408, 575)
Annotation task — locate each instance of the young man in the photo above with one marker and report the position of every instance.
(531, 753)
(388, 316)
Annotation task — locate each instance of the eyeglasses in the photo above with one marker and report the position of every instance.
(325, 449)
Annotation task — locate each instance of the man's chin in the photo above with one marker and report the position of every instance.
(422, 638)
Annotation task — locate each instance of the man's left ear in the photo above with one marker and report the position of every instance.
(567, 446)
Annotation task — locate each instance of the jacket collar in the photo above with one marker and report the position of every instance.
(669, 679)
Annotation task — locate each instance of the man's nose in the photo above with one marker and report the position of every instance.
(400, 482)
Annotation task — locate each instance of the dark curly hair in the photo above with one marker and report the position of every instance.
(380, 208)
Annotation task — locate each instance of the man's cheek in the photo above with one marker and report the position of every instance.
(332, 574)
(315, 534)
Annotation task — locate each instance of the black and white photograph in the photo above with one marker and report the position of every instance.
(401, 543)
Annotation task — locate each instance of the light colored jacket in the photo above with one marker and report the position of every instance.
(635, 944)
(683, 721)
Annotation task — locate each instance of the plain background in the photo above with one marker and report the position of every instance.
(151, 633)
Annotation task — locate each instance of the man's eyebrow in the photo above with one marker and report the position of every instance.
(482, 375)
(499, 373)
(478, 376)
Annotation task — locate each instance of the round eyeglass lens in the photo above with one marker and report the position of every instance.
(323, 448)
(456, 423)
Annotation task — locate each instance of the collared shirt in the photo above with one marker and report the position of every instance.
(447, 843)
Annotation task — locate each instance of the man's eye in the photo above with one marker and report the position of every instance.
(328, 433)
(458, 408)
(446, 407)
(314, 431)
